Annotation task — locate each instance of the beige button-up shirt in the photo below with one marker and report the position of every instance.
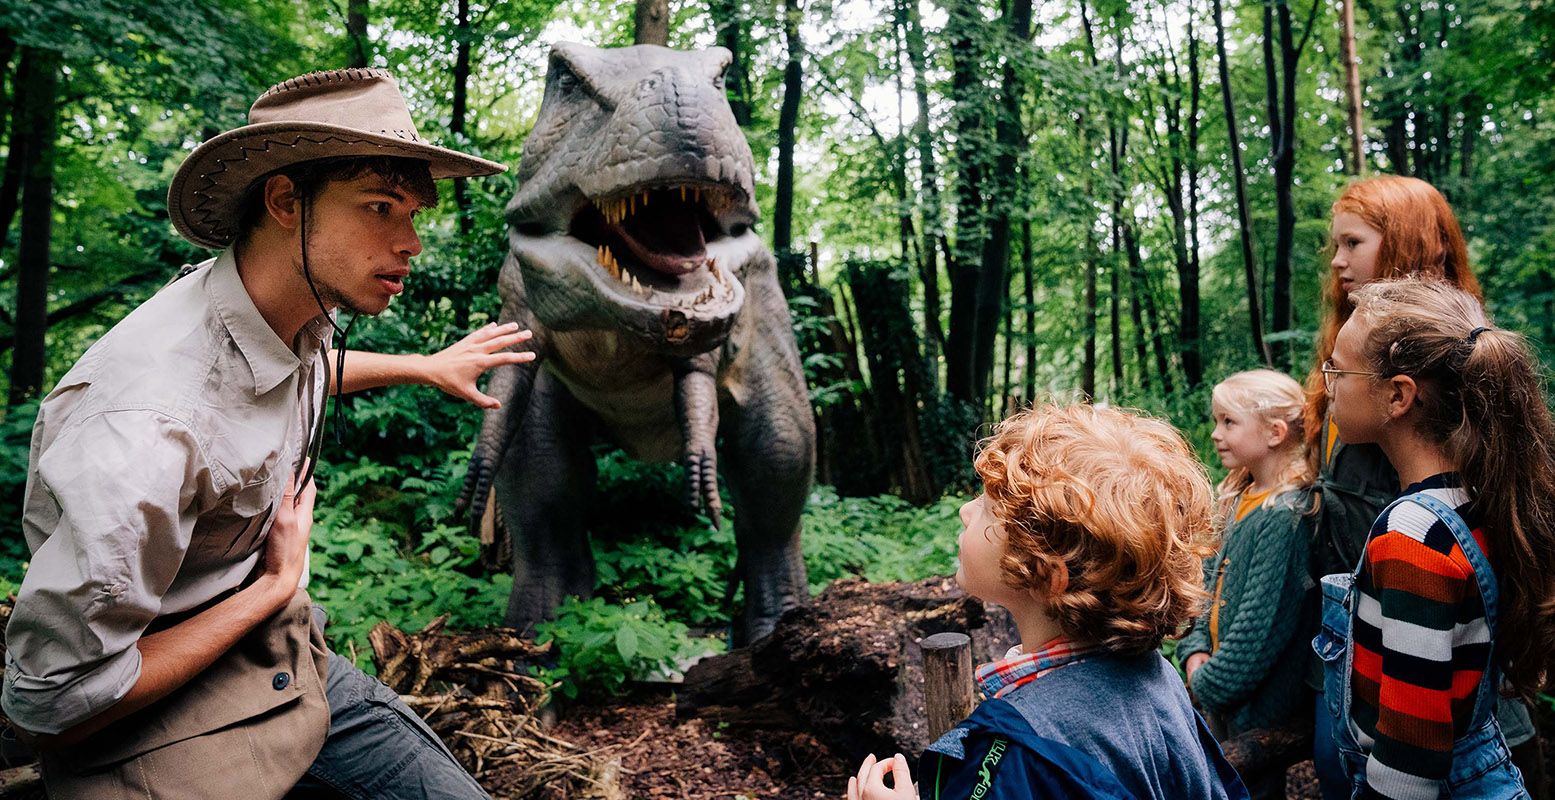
(156, 464)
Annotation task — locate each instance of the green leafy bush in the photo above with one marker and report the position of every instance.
(602, 645)
(879, 538)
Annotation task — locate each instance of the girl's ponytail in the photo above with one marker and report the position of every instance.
(1481, 397)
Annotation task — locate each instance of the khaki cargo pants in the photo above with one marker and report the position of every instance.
(248, 727)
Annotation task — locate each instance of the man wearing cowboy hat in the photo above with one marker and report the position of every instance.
(161, 645)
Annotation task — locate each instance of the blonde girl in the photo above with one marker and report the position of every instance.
(1246, 659)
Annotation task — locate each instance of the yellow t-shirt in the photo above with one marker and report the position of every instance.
(1247, 501)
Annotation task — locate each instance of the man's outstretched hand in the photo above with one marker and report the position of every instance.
(456, 369)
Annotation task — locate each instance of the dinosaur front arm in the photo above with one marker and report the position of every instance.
(696, 405)
(511, 384)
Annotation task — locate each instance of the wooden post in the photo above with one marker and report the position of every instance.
(947, 680)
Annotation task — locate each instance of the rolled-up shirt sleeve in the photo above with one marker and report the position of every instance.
(125, 485)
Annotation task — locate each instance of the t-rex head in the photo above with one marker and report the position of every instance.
(635, 201)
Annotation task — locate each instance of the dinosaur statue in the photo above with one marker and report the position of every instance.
(659, 324)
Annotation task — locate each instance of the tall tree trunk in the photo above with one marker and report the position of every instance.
(1136, 314)
(1088, 367)
(899, 158)
(1472, 106)
(456, 125)
(1114, 303)
(730, 26)
(356, 32)
(1030, 373)
(1146, 294)
(461, 102)
(933, 231)
(1003, 194)
(653, 22)
(40, 116)
(1239, 179)
(1284, 157)
(788, 121)
(1115, 146)
(1352, 84)
(1003, 398)
(1188, 325)
(8, 92)
(20, 143)
(964, 31)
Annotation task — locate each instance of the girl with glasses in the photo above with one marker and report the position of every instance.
(1455, 591)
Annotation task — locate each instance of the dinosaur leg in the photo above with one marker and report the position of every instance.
(543, 487)
(768, 461)
(696, 404)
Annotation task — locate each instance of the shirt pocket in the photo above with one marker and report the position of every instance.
(254, 503)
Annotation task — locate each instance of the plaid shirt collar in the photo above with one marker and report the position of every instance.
(1019, 668)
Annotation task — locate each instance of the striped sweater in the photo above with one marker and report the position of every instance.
(1421, 645)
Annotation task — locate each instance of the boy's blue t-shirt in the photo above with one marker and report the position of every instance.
(1104, 727)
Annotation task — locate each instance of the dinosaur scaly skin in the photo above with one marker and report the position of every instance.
(659, 324)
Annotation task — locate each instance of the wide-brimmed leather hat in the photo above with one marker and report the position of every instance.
(335, 114)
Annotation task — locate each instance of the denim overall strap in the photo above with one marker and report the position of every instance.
(1485, 577)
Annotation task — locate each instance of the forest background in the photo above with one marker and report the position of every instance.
(974, 204)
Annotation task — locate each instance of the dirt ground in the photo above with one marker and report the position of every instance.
(695, 761)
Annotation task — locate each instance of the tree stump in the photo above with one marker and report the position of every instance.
(846, 668)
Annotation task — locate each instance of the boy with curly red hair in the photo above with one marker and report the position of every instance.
(1091, 530)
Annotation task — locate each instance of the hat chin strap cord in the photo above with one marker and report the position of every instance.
(316, 436)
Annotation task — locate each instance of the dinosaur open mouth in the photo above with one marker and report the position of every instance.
(654, 238)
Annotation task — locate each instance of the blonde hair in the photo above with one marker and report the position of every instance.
(1268, 396)
(1107, 518)
(1481, 400)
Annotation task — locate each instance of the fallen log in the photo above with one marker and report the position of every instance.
(845, 668)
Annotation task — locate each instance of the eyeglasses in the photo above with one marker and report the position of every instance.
(1329, 374)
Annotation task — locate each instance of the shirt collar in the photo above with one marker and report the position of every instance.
(1018, 667)
(269, 359)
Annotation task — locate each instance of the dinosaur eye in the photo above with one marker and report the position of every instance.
(718, 81)
(566, 82)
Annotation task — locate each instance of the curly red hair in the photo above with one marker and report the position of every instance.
(1107, 516)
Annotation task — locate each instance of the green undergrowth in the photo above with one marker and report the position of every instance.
(388, 546)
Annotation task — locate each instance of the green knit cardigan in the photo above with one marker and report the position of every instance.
(1255, 679)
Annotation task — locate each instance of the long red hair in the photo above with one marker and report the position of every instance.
(1420, 236)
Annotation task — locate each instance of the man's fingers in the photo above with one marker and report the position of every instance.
(504, 341)
(492, 330)
(502, 359)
